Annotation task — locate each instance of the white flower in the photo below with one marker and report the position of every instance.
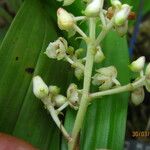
(57, 49)
(110, 71)
(147, 75)
(138, 65)
(93, 8)
(65, 20)
(105, 78)
(137, 96)
(72, 94)
(40, 89)
(122, 15)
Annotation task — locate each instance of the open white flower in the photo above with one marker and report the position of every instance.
(110, 71)
(72, 94)
(57, 49)
(105, 78)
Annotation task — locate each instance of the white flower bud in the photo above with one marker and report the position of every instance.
(59, 100)
(122, 30)
(147, 75)
(57, 49)
(99, 56)
(138, 65)
(116, 3)
(79, 73)
(137, 96)
(40, 89)
(54, 90)
(93, 8)
(65, 19)
(68, 2)
(72, 94)
(122, 15)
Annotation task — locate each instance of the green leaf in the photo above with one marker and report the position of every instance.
(20, 54)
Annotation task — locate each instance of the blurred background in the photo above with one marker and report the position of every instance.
(139, 45)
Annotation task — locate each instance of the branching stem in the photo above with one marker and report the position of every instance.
(80, 31)
(86, 86)
(53, 112)
(125, 88)
(104, 31)
(76, 64)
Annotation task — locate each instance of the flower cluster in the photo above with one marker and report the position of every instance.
(42, 91)
(115, 17)
(137, 96)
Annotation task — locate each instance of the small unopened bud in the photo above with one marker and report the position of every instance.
(79, 73)
(68, 2)
(54, 90)
(138, 65)
(65, 19)
(59, 100)
(147, 76)
(93, 8)
(70, 50)
(57, 49)
(122, 30)
(40, 89)
(122, 15)
(137, 96)
(72, 94)
(79, 52)
(116, 3)
(99, 56)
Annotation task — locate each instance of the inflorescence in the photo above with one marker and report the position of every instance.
(115, 17)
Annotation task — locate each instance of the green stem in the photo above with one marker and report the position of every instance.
(105, 30)
(125, 88)
(73, 63)
(53, 112)
(86, 87)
